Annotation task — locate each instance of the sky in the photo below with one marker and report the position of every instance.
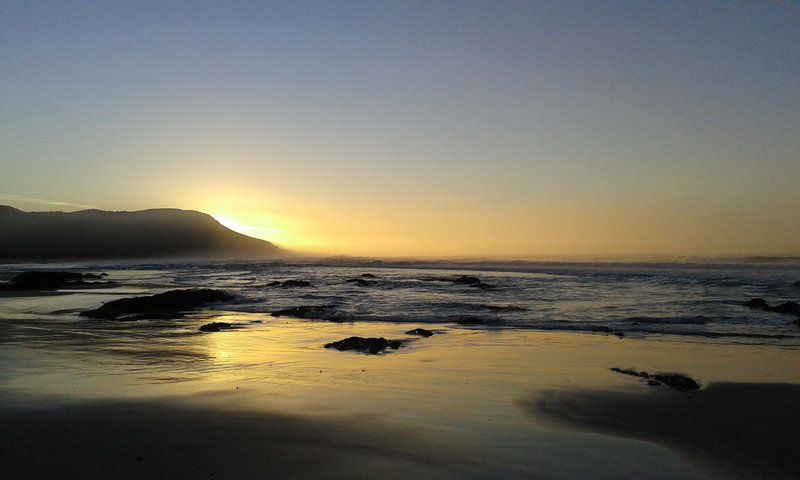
(517, 129)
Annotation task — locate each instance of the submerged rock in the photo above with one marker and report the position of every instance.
(787, 308)
(473, 320)
(215, 327)
(422, 332)
(370, 345)
(37, 280)
(602, 329)
(165, 305)
(296, 283)
(502, 308)
(312, 312)
(359, 281)
(368, 275)
(482, 286)
(274, 283)
(673, 380)
(757, 303)
(467, 280)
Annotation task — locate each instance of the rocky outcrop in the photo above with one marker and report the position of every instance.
(757, 303)
(422, 332)
(467, 280)
(786, 308)
(171, 304)
(370, 345)
(43, 280)
(673, 380)
(216, 327)
(470, 281)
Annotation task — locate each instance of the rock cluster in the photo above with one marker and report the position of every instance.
(369, 345)
(786, 308)
(167, 305)
(38, 280)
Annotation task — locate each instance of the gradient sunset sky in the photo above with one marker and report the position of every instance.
(416, 128)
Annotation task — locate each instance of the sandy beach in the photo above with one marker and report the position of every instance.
(134, 401)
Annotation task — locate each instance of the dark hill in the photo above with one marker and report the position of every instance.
(97, 234)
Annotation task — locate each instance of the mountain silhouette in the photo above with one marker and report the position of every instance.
(144, 234)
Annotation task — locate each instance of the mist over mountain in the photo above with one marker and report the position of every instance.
(98, 234)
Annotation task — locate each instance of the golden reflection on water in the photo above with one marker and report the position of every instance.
(281, 364)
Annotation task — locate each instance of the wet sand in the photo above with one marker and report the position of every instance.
(168, 439)
(162, 400)
(733, 430)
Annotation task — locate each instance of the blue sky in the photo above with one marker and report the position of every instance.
(519, 128)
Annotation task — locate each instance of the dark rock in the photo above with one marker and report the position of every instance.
(367, 275)
(633, 373)
(673, 380)
(215, 327)
(305, 311)
(482, 286)
(370, 345)
(51, 281)
(421, 332)
(467, 280)
(501, 308)
(676, 381)
(169, 304)
(358, 281)
(296, 283)
(274, 283)
(757, 303)
(787, 308)
(472, 320)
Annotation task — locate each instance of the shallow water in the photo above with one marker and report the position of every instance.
(700, 302)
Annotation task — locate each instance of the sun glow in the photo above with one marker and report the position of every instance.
(263, 228)
(258, 231)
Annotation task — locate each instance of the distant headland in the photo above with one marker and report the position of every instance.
(144, 234)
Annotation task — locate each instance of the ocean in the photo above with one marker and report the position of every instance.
(688, 301)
